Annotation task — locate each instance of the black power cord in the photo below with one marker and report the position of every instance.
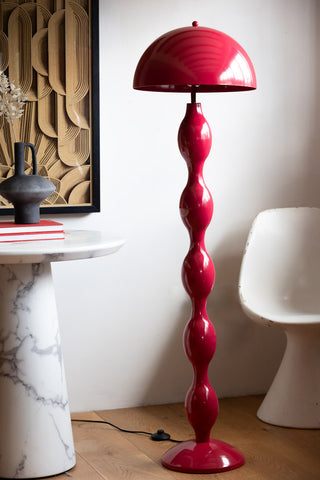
(159, 436)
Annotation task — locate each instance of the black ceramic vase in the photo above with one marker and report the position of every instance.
(26, 192)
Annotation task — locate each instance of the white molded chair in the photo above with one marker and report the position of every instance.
(280, 287)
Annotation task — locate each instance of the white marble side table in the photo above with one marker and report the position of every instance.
(35, 428)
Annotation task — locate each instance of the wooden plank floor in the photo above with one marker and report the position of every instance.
(271, 453)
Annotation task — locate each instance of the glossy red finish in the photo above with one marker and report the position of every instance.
(201, 455)
(213, 456)
(194, 56)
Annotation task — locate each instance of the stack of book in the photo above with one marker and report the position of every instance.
(44, 230)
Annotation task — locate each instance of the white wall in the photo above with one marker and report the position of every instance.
(122, 316)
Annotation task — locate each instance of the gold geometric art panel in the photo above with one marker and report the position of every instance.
(50, 49)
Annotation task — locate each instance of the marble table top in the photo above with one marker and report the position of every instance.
(78, 244)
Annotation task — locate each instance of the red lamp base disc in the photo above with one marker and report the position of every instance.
(202, 457)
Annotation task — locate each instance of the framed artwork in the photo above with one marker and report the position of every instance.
(50, 49)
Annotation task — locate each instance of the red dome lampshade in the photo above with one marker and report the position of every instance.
(194, 56)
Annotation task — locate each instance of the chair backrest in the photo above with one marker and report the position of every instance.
(280, 271)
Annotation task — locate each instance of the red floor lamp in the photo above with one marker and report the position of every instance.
(197, 59)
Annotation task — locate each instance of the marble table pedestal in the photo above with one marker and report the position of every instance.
(36, 436)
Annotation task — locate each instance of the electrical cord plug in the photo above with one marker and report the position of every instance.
(160, 436)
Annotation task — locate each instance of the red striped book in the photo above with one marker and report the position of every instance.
(44, 230)
(42, 226)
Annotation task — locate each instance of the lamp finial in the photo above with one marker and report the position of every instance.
(195, 24)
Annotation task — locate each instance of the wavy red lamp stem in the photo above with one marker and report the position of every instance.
(196, 208)
(201, 455)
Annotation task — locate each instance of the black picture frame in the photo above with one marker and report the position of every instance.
(94, 205)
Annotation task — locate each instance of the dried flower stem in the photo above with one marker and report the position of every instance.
(12, 128)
